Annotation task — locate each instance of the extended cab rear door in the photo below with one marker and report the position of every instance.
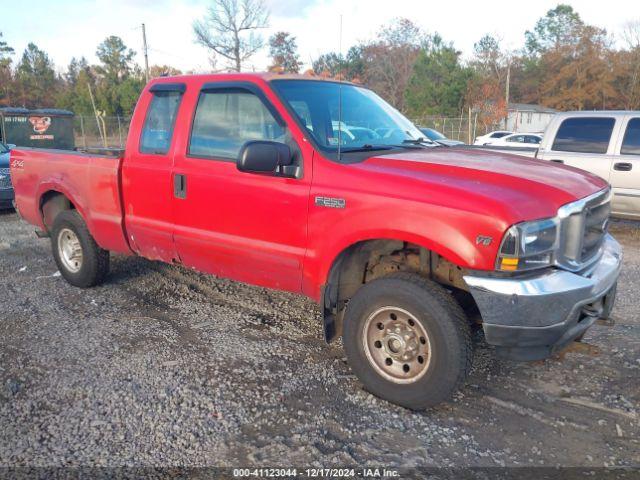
(583, 142)
(146, 174)
(245, 226)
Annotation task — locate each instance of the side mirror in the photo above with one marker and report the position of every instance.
(261, 156)
(11, 146)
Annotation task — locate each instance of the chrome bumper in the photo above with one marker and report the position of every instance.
(530, 318)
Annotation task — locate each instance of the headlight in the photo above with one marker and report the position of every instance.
(528, 245)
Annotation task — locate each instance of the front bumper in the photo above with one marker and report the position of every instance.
(6, 198)
(530, 318)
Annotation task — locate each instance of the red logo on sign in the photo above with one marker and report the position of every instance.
(40, 124)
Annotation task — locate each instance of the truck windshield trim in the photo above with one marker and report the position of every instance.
(366, 123)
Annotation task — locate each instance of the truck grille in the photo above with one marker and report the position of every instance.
(584, 227)
(5, 179)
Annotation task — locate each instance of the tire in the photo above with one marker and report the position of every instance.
(87, 265)
(446, 351)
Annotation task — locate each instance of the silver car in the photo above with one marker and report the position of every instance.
(606, 143)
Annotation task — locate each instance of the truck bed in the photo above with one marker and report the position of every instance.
(91, 181)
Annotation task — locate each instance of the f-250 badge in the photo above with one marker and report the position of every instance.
(330, 202)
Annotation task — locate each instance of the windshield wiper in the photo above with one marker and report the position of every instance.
(419, 141)
(367, 147)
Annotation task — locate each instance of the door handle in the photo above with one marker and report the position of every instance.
(557, 161)
(179, 186)
(622, 167)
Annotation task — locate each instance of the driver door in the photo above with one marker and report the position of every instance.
(245, 226)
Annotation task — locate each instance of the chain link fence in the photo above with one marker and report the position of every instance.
(464, 128)
(111, 132)
(100, 132)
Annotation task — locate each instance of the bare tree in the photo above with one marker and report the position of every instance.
(631, 34)
(389, 60)
(229, 29)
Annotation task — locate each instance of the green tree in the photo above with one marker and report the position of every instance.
(283, 51)
(118, 78)
(329, 64)
(116, 59)
(75, 94)
(6, 75)
(35, 78)
(555, 29)
(488, 58)
(439, 81)
(5, 53)
(350, 67)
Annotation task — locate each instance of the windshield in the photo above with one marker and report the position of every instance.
(3, 148)
(432, 134)
(366, 120)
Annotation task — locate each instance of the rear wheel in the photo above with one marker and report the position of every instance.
(80, 260)
(407, 340)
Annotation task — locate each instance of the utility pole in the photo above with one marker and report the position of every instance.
(146, 54)
(506, 118)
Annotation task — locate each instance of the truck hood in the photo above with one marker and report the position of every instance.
(4, 160)
(524, 188)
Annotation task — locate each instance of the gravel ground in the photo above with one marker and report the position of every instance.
(162, 366)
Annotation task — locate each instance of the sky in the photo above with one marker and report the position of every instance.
(68, 28)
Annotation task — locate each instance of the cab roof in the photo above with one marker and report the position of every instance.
(241, 76)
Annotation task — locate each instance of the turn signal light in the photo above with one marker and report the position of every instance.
(509, 264)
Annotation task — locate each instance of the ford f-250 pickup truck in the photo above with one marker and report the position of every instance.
(401, 241)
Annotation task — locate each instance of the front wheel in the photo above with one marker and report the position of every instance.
(407, 340)
(80, 260)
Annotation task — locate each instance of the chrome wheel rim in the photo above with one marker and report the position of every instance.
(396, 345)
(70, 250)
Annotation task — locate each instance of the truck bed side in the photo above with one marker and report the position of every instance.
(90, 182)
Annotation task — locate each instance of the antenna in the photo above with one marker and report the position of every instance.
(340, 93)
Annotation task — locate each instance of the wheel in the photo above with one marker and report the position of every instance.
(407, 340)
(80, 260)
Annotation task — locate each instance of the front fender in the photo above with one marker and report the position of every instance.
(449, 234)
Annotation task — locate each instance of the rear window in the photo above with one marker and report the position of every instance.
(631, 141)
(158, 126)
(499, 134)
(584, 135)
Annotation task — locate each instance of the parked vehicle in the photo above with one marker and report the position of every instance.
(437, 137)
(491, 136)
(6, 189)
(606, 143)
(399, 241)
(517, 140)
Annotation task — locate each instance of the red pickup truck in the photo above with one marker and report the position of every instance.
(321, 188)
